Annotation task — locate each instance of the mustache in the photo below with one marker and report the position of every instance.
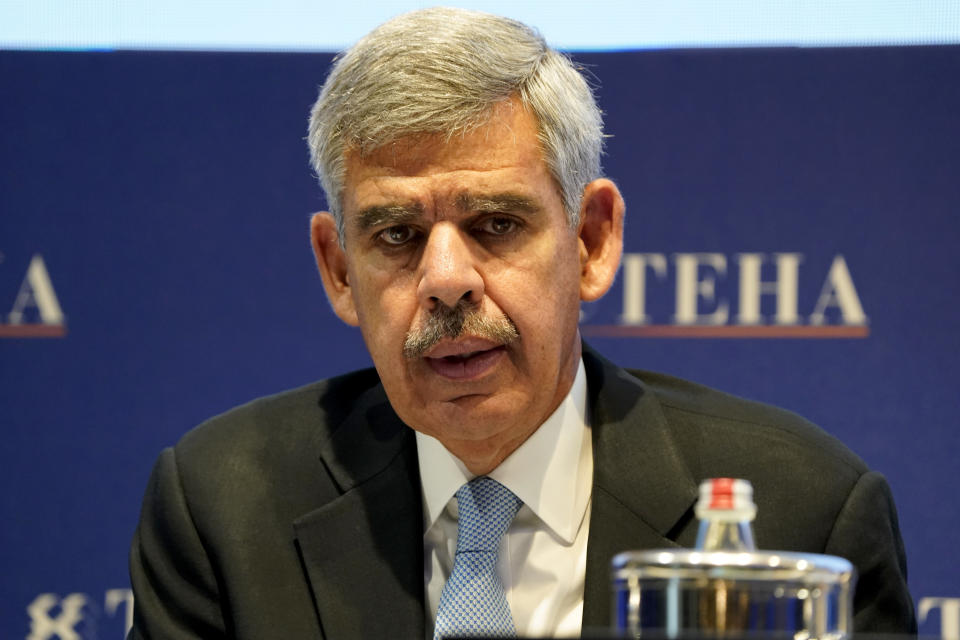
(453, 322)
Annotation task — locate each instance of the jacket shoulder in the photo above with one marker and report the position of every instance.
(290, 419)
(262, 454)
(730, 421)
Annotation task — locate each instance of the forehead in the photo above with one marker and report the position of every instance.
(503, 153)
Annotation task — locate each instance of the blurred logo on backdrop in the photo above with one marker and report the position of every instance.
(55, 617)
(742, 295)
(35, 311)
(77, 616)
(949, 609)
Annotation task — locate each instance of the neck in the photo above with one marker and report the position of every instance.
(482, 457)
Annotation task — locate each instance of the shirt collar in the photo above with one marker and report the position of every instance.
(551, 466)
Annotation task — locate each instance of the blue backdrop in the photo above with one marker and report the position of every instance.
(791, 236)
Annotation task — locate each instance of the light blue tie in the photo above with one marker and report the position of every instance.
(473, 602)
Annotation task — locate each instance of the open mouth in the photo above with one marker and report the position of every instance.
(466, 364)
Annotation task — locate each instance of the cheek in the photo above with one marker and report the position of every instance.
(562, 282)
(559, 274)
(541, 296)
(386, 305)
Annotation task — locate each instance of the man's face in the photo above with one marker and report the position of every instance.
(476, 221)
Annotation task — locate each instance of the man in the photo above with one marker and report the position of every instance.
(460, 159)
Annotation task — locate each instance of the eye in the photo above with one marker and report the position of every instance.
(397, 235)
(498, 226)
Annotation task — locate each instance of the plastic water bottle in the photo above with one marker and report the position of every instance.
(725, 510)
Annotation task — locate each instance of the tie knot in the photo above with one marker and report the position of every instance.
(486, 509)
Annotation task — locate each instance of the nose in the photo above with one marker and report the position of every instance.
(448, 269)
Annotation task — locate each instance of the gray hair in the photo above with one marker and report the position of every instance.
(442, 70)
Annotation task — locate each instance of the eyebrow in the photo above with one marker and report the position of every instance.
(405, 213)
(388, 214)
(496, 203)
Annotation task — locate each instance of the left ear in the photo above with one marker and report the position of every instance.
(601, 237)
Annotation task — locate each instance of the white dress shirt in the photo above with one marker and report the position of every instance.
(543, 556)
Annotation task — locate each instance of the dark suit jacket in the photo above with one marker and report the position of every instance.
(299, 515)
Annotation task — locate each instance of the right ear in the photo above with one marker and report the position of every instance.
(332, 263)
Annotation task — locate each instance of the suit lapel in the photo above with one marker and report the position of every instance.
(363, 551)
(642, 487)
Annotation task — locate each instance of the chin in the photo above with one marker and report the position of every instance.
(477, 418)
